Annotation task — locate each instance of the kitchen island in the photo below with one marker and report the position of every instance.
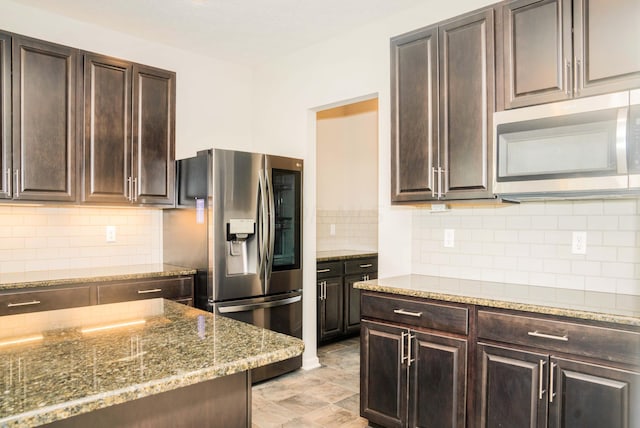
(143, 363)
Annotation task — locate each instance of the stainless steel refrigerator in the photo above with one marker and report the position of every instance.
(238, 222)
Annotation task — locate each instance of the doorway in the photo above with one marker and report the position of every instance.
(347, 177)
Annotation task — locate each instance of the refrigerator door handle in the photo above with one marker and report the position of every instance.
(262, 240)
(272, 225)
(262, 305)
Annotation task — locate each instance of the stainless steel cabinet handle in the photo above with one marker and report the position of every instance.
(541, 391)
(135, 190)
(324, 290)
(408, 313)
(551, 393)
(409, 352)
(441, 172)
(17, 186)
(576, 74)
(433, 182)
(567, 73)
(129, 189)
(31, 303)
(368, 265)
(152, 290)
(536, 333)
(323, 270)
(402, 353)
(9, 181)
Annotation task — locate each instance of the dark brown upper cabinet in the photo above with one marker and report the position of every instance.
(552, 50)
(153, 135)
(5, 116)
(107, 129)
(44, 121)
(129, 137)
(442, 101)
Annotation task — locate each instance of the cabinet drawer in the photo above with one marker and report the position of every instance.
(167, 288)
(451, 319)
(328, 269)
(44, 300)
(361, 265)
(579, 339)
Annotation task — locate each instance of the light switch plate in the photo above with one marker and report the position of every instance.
(449, 238)
(579, 243)
(111, 234)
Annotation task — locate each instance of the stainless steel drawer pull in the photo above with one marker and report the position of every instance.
(411, 314)
(368, 265)
(323, 270)
(564, 338)
(152, 290)
(33, 302)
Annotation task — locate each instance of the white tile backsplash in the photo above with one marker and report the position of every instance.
(354, 230)
(49, 238)
(530, 243)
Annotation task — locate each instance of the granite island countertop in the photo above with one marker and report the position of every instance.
(588, 305)
(82, 359)
(46, 278)
(337, 255)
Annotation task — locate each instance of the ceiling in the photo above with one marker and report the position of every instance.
(241, 31)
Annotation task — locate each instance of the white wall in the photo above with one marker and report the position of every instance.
(347, 160)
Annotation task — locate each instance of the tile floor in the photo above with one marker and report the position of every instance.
(324, 397)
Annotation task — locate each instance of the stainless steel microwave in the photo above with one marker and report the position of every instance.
(582, 147)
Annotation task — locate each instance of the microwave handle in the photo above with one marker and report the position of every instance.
(621, 140)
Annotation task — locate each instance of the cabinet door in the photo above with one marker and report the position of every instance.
(606, 35)
(437, 381)
(591, 396)
(330, 308)
(44, 120)
(153, 135)
(107, 129)
(5, 116)
(383, 376)
(466, 57)
(352, 301)
(536, 52)
(414, 115)
(512, 387)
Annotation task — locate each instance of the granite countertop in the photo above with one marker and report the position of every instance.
(66, 371)
(588, 305)
(336, 255)
(47, 278)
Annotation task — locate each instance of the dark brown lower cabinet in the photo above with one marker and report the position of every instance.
(412, 378)
(338, 301)
(330, 310)
(520, 388)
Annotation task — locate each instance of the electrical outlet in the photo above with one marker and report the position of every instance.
(449, 238)
(332, 229)
(579, 243)
(111, 234)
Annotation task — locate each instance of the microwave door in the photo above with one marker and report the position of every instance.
(582, 150)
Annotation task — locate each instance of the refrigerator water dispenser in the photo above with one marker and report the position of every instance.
(238, 231)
